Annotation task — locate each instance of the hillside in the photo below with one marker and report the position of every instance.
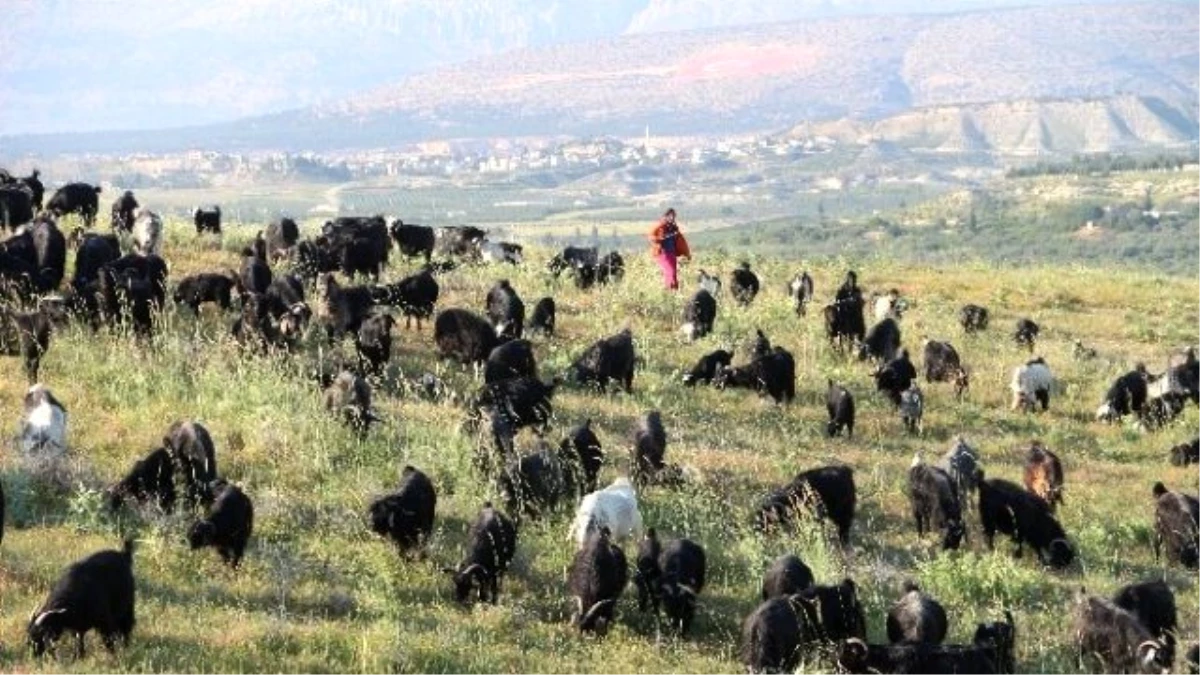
(1135, 63)
(1025, 128)
(204, 61)
(318, 592)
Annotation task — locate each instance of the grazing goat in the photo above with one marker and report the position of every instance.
(509, 360)
(707, 368)
(935, 503)
(94, 593)
(350, 397)
(787, 575)
(151, 478)
(492, 544)
(43, 424)
(596, 579)
(343, 309)
(912, 408)
(612, 358)
(1005, 507)
(990, 652)
(698, 315)
(373, 342)
(942, 364)
(743, 284)
(406, 515)
(1126, 396)
(582, 448)
(961, 462)
(670, 574)
(415, 296)
(191, 448)
(1176, 526)
(827, 492)
(916, 617)
(1153, 603)
(1044, 475)
(881, 342)
(542, 320)
(649, 449)
(1031, 384)
(536, 482)
(615, 508)
(773, 374)
(839, 403)
(1111, 639)
(1026, 333)
(228, 525)
(973, 318)
(463, 336)
(800, 290)
(895, 377)
(505, 310)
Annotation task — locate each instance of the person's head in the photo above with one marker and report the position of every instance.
(669, 216)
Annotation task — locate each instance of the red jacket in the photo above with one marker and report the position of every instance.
(661, 230)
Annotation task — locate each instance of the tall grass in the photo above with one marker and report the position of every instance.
(319, 592)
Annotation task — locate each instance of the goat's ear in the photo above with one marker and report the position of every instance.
(449, 570)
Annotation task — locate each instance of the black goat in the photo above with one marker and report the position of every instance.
(935, 503)
(94, 593)
(916, 617)
(827, 492)
(151, 478)
(374, 342)
(505, 310)
(707, 368)
(406, 515)
(582, 448)
(191, 448)
(787, 575)
(1176, 519)
(1153, 603)
(492, 544)
(542, 320)
(670, 574)
(699, 314)
(1005, 507)
(463, 336)
(596, 579)
(773, 375)
(611, 358)
(227, 526)
(509, 360)
(839, 403)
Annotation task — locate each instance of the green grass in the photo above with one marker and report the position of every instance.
(318, 592)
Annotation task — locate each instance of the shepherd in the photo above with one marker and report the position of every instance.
(667, 245)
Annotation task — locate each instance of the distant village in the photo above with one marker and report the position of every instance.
(444, 158)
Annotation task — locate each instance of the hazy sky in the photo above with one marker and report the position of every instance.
(86, 65)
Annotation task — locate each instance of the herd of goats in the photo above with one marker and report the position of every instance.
(1135, 631)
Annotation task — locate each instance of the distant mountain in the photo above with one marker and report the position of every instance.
(85, 65)
(929, 80)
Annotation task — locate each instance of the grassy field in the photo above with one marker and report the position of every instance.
(319, 592)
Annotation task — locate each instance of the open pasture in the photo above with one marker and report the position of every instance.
(319, 592)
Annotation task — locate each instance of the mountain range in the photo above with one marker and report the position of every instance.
(1073, 77)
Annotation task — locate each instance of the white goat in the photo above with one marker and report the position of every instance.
(1031, 385)
(44, 424)
(147, 233)
(614, 507)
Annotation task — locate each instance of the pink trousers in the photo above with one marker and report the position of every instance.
(666, 261)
